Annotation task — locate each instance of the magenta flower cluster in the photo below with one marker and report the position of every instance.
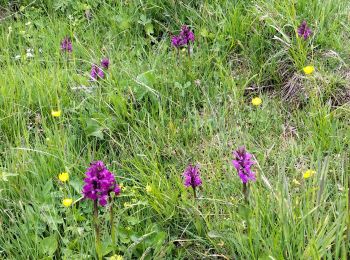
(304, 31)
(105, 63)
(192, 177)
(99, 183)
(185, 37)
(97, 72)
(243, 162)
(66, 45)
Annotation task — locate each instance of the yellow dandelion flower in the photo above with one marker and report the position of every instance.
(308, 174)
(309, 70)
(256, 101)
(67, 202)
(148, 188)
(63, 177)
(116, 257)
(56, 113)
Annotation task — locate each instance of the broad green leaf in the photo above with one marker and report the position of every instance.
(76, 184)
(123, 22)
(149, 28)
(94, 129)
(147, 78)
(132, 220)
(49, 245)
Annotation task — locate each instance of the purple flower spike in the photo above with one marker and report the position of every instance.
(192, 177)
(304, 31)
(186, 34)
(66, 45)
(184, 38)
(100, 73)
(99, 183)
(93, 72)
(243, 162)
(176, 41)
(105, 63)
(96, 72)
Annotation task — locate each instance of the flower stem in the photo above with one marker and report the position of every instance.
(246, 193)
(111, 220)
(194, 193)
(178, 55)
(97, 231)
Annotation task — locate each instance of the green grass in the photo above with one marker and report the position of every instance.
(155, 113)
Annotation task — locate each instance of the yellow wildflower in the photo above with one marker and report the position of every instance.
(256, 101)
(63, 177)
(308, 174)
(67, 202)
(309, 70)
(116, 257)
(56, 113)
(148, 188)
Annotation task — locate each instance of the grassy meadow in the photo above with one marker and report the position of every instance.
(158, 109)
